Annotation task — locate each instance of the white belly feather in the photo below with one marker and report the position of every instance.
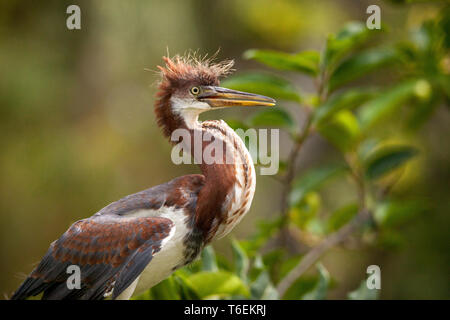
(170, 255)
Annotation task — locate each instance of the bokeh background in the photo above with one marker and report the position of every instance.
(77, 129)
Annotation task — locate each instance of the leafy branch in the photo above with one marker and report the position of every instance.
(344, 117)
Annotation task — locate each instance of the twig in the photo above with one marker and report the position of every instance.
(335, 238)
(314, 254)
(290, 166)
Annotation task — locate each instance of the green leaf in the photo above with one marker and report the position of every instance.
(185, 289)
(366, 147)
(394, 213)
(341, 216)
(388, 101)
(300, 287)
(350, 36)
(272, 260)
(265, 84)
(241, 261)
(262, 288)
(306, 62)
(209, 259)
(364, 293)
(361, 64)
(288, 264)
(266, 229)
(165, 290)
(345, 100)
(319, 292)
(386, 159)
(223, 263)
(272, 118)
(342, 131)
(312, 180)
(217, 284)
(305, 210)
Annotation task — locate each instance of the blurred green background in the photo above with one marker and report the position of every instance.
(77, 129)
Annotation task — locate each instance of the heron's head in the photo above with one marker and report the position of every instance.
(190, 86)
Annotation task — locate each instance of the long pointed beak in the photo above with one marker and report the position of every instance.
(223, 97)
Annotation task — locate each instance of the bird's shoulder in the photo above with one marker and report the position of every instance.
(179, 193)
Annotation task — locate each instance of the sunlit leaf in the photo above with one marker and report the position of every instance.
(394, 213)
(217, 284)
(345, 100)
(165, 290)
(342, 130)
(341, 216)
(209, 259)
(185, 289)
(361, 64)
(386, 159)
(305, 210)
(265, 84)
(312, 180)
(306, 62)
(350, 36)
(276, 117)
(364, 293)
(387, 102)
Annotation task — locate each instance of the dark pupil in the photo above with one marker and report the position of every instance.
(195, 90)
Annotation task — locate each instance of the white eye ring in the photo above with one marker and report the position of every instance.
(195, 90)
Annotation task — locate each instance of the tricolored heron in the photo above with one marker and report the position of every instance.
(136, 242)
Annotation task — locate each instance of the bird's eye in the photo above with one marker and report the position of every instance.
(195, 90)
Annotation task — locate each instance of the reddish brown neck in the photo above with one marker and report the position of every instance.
(220, 179)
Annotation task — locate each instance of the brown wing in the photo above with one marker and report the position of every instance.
(110, 250)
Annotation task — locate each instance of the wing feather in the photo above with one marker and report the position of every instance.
(121, 249)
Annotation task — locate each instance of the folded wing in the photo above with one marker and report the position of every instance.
(110, 251)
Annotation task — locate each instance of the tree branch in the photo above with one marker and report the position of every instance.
(314, 254)
(290, 165)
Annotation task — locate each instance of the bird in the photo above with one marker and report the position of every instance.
(134, 243)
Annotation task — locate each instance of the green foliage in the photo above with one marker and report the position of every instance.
(395, 213)
(386, 159)
(319, 291)
(306, 62)
(341, 216)
(217, 284)
(390, 100)
(360, 64)
(345, 100)
(312, 180)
